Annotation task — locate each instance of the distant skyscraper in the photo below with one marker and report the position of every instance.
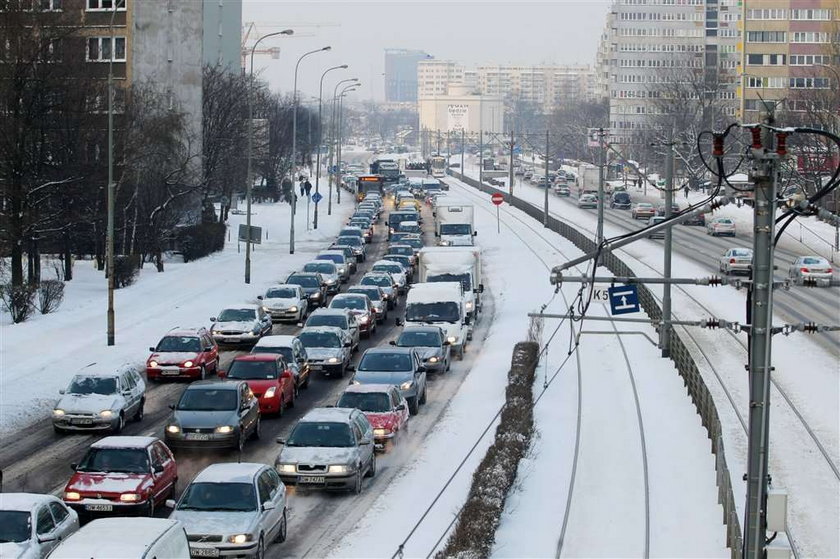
(401, 74)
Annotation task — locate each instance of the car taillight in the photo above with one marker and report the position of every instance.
(731, 260)
(804, 270)
(829, 271)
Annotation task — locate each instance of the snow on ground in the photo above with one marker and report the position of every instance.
(184, 295)
(814, 503)
(610, 485)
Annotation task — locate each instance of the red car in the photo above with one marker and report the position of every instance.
(268, 377)
(183, 353)
(121, 476)
(384, 407)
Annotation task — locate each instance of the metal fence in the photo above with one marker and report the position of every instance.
(680, 355)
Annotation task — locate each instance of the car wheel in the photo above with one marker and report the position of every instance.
(202, 375)
(423, 396)
(357, 485)
(372, 468)
(447, 366)
(240, 442)
(260, 548)
(138, 416)
(413, 406)
(257, 430)
(150, 508)
(118, 427)
(282, 529)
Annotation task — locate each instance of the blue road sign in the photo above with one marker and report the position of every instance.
(517, 150)
(317, 197)
(624, 299)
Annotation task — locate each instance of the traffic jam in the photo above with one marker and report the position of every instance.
(385, 308)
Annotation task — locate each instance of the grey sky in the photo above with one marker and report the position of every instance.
(471, 33)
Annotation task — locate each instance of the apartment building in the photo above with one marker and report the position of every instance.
(435, 76)
(791, 53)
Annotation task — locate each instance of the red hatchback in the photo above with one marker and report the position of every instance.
(184, 353)
(122, 476)
(268, 377)
(384, 407)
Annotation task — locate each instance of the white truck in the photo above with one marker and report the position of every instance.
(440, 304)
(460, 264)
(588, 178)
(454, 222)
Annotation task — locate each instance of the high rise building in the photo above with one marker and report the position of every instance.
(401, 74)
(435, 76)
(223, 33)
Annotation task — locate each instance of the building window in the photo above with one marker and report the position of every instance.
(49, 5)
(767, 13)
(809, 59)
(766, 36)
(100, 5)
(99, 49)
(809, 83)
(809, 37)
(811, 15)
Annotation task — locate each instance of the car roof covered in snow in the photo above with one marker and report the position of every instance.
(435, 292)
(276, 341)
(324, 330)
(229, 472)
(367, 388)
(338, 415)
(23, 501)
(115, 537)
(124, 442)
(243, 306)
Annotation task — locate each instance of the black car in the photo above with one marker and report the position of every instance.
(620, 201)
(313, 285)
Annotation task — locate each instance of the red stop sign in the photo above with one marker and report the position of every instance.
(497, 198)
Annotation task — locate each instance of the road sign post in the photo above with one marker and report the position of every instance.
(624, 299)
(497, 199)
(317, 197)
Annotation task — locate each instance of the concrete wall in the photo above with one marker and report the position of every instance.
(223, 33)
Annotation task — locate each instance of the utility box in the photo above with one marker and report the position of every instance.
(776, 510)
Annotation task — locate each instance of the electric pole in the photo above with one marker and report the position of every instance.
(665, 329)
(480, 156)
(463, 149)
(510, 165)
(545, 202)
(599, 232)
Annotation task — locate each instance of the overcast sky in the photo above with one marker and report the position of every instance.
(471, 33)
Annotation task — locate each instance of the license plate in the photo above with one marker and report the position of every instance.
(197, 436)
(99, 508)
(170, 370)
(204, 552)
(316, 367)
(232, 340)
(81, 421)
(311, 479)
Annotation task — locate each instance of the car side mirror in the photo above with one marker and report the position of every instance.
(61, 391)
(212, 319)
(152, 349)
(157, 468)
(392, 342)
(446, 342)
(481, 288)
(467, 321)
(281, 440)
(259, 297)
(400, 407)
(364, 441)
(208, 348)
(268, 506)
(475, 233)
(73, 466)
(45, 539)
(421, 369)
(170, 503)
(171, 406)
(221, 373)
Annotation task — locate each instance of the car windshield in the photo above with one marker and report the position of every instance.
(208, 399)
(116, 460)
(321, 434)
(92, 385)
(350, 241)
(446, 311)
(621, 197)
(15, 526)
(179, 343)
(385, 362)
(304, 281)
(361, 223)
(455, 229)
(281, 293)
(252, 370)
(463, 279)
(813, 261)
(336, 258)
(319, 319)
(322, 267)
(419, 339)
(402, 260)
(219, 497)
(366, 401)
(381, 281)
(414, 243)
(237, 315)
(357, 303)
(319, 339)
(391, 268)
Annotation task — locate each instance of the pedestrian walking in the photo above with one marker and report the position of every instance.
(686, 189)
(639, 182)
(302, 188)
(307, 187)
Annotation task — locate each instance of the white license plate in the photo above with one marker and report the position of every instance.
(197, 436)
(232, 340)
(169, 370)
(204, 552)
(311, 479)
(81, 421)
(99, 508)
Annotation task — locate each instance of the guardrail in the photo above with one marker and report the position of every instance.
(680, 355)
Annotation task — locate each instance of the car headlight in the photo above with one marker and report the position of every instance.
(129, 497)
(469, 305)
(330, 282)
(406, 385)
(224, 429)
(173, 429)
(338, 469)
(265, 308)
(342, 270)
(316, 295)
(58, 413)
(381, 432)
(188, 364)
(332, 360)
(153, 364)
(293, 309)
(271, 392)
(451, 339)
(286, 468)
(106, 413)
(72, 496)
(433, 359)
(240, 538)
(364, 319)
(444, 243)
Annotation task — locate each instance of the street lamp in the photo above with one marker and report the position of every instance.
(332, 141)
(294, 146)
(249, 175)
(109, 237)
(320, 141)
(347, 89)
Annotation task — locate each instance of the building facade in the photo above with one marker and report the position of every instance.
(401, 74)
(460, 110)
(222, 36)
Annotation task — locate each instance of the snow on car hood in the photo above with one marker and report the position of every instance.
(88, 403)
(317, 455)
(88, 482)
(18, 550)
(323, 353)
(238, 326)
(204, 419)
(426, 352)
(281, 303)
(215, 522)
(173, 357)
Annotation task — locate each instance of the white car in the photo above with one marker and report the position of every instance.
(587, 201)
(395, 269)
(233, 510)
(98, 401)
(285, 302)
(328, 271)
(814, 268)
(720, 226)
(31, 525)
(735, 260)
(243, 324)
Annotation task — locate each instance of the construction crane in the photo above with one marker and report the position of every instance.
(250, 31)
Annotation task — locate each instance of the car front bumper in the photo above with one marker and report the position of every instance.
(240, 338)
(201, 440)
(223, 549)
(326, 368)
(92, 507)
(70, 422)
(283, 314)
(173, 372)
(437, 367)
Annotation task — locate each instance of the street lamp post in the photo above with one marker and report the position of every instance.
(347, 89)
(332, 141)
(250, 173)
(320, 135)
(294, 148)
(109, 240)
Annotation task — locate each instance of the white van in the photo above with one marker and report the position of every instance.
(441, 304)
(126, 538)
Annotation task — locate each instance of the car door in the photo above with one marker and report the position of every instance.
(265, 320)
(65, 522)
(419, 370)
(396, 401)
(45, 529)
(128, 388)
(249, 410)
(211, 351)
(164, 480)
(299, 353)
(353, 329)
(366, 434)
(268, 491)
(287, 383)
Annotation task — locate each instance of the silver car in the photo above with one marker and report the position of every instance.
(812, 268)
(400, 366)
(329, 448)
(285, 302)
(395, 269)
(736, 260)
(329, 273)
(233, 510)
(328, 348)
(100, 402)
(31, 525)
(430, 343)
(243, 324)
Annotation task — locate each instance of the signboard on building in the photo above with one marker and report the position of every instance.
(457, 117)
